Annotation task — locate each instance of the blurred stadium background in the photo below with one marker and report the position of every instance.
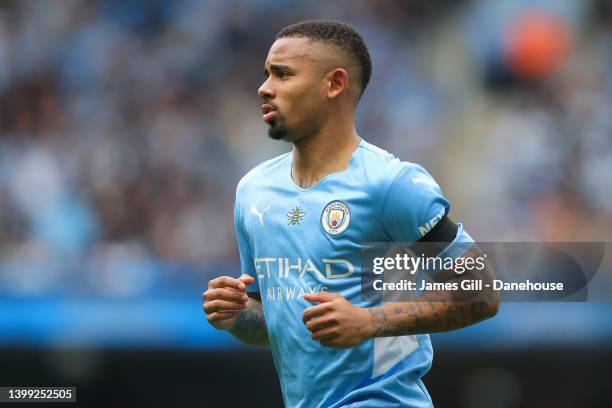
(125, 126)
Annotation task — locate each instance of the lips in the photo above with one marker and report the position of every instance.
(269, 112)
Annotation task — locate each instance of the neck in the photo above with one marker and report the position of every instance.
(328, 151)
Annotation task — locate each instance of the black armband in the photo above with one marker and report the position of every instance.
(444, 231)
(438, 239)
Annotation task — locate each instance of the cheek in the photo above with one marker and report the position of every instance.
(311, 86)
(303, 100)
(311, 101)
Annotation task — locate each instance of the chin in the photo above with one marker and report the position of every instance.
(278, 132)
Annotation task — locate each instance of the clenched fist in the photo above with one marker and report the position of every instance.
(336, 322)
(224, 299)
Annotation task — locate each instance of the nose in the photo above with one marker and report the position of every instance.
(265, 91)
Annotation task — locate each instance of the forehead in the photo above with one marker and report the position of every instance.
(293, 49)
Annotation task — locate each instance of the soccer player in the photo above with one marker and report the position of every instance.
(301, 220)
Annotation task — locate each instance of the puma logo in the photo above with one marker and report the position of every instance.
(259, 215)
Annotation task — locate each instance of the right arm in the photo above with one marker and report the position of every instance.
(250, 326)
(228, 307)
(226, 302)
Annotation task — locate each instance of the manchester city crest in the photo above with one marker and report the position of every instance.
(335, 218)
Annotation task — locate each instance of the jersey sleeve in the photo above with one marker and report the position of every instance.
(247, 264)
(413, 205)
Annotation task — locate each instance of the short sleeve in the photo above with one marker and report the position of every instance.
(413, 205)
(247, 264)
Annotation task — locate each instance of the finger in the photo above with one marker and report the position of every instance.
(319, 323)
(333, 343)
(219, 316)
(325, 334)
(314, 311)
(226, 281)
(246, 279)
(230, 295)
(320, 297)
(222, 306)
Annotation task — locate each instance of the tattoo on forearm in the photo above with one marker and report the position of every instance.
(250, 325)
(431, 313)
(414, 318)
(379, 320)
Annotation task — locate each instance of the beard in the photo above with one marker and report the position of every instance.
(277, 131)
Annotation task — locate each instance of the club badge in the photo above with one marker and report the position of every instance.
(335, 218)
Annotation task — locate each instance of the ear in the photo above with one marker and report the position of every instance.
(338, 82)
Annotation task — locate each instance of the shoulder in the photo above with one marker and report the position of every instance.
(261, 172)
(398, 181)
(385, 168)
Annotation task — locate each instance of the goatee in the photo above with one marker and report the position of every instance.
(277, 132)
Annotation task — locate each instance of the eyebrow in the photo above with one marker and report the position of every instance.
(278, 68)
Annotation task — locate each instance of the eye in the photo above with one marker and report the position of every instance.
(281, 74)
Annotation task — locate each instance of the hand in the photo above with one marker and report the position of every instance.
(335, 321)
(224, 299)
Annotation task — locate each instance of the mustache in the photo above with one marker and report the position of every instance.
(273, 106)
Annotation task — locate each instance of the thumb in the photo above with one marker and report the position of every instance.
(321, 297)
(246, 279)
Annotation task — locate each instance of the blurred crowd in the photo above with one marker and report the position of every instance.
(125, 126)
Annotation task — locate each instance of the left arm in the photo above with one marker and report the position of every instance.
(438, 311)
(338, 323)
(412, 201)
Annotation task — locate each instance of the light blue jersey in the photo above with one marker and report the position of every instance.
(295, 240)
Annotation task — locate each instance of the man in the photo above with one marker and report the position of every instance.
(301, 220)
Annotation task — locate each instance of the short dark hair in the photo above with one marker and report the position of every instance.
(338, 34)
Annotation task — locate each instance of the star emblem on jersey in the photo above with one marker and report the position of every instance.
(295, 216)
(335, 218)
